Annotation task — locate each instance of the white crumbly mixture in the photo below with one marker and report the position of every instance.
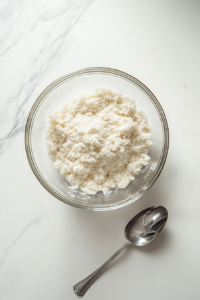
(98, 140)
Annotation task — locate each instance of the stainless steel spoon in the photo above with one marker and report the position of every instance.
(140, 231)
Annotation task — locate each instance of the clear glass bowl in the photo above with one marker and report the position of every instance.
(60, 91)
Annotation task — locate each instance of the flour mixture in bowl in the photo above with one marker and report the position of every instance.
(98, 140)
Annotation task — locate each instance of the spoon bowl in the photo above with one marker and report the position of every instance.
(140, 231)
(145, 226)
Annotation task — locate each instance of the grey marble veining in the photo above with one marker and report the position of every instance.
(31, 38)
(33, 222)
(42, 28)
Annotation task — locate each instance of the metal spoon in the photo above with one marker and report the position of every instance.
(140, 231)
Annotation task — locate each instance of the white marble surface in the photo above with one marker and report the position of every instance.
(46, 246)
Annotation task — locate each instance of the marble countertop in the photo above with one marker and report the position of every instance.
(47, 246)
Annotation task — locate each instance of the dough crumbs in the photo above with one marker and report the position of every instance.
(98, 140)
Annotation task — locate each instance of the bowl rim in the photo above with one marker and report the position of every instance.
(88, 71)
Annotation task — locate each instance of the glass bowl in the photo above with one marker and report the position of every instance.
(59, 92)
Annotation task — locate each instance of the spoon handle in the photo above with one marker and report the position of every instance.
(81, 287)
